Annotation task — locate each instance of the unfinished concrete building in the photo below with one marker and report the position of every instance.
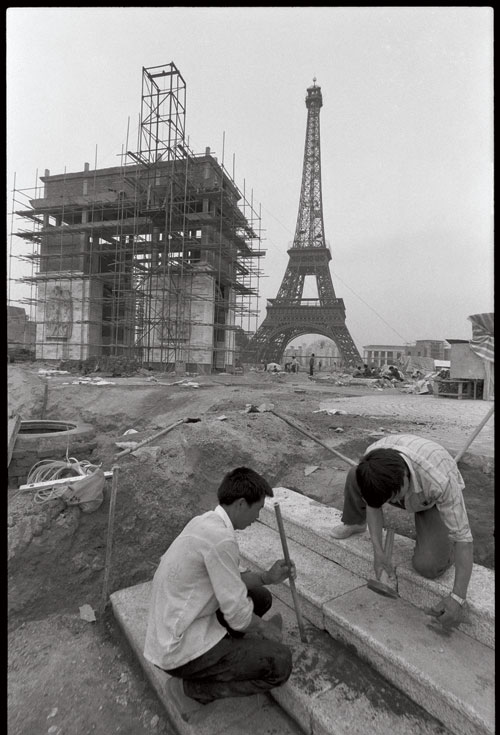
(155, 259)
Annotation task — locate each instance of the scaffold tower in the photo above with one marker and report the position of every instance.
(290, 315)
(156, 259)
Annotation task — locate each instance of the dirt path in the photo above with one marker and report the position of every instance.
(70, 676)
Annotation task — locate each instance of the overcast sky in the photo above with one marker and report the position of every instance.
(406, 134)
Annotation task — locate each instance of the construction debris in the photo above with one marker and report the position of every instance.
(87, 613)
(330, 411)
(48, 372)
(147, 453)
(250, 408)
(310, 469)
(91, 381)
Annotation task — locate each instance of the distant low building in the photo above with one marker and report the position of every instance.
(380, 355)
(437, 349)
(21, 332)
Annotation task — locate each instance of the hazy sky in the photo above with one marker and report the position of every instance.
(406, 134)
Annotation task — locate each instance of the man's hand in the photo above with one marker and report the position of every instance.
(448, 613)
(279, 572)
(380, 564)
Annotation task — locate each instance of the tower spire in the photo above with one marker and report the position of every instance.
(310, 230)
(289, 315)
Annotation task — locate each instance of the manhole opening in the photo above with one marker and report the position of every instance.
(44, 427)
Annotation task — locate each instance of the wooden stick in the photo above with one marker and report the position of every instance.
(389, 543)
(314, 438)
(474, 434)
(55, 483)
(281, 529)
(109, 543)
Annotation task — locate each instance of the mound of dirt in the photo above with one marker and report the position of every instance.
(27, 391)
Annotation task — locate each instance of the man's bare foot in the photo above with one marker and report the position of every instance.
(276, 620)
(186, 705)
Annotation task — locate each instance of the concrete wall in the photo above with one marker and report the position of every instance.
(21, 333)
(68, 322)
(187, 306)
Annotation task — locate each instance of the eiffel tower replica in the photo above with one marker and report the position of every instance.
(289, 315)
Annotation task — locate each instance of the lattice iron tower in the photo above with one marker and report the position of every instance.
(290, 315)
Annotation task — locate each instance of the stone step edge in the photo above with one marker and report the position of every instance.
(463, 714)
(222, 716)
(315, 704)
(448, 701)
(355, 554)
(332, 706)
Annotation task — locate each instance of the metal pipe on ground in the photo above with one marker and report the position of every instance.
(156, 436)
(291, 423)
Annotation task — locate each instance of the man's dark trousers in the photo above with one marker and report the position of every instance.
(239, 665)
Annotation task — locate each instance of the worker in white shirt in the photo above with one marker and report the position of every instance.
(203, 606)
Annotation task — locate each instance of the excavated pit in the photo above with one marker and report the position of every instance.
(57, 553)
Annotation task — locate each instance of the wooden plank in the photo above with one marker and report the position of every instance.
(13, 431)
(55, 483)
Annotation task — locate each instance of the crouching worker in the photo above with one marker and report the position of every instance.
(205, 622)
(422, 477)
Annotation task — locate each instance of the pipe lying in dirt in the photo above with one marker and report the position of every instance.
(156, 436)
(314, 438)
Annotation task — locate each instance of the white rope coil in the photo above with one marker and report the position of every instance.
(53, 469)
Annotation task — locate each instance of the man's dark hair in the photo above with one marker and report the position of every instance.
(243, 482)
(379, 475)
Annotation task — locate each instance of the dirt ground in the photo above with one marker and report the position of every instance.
(67, 676)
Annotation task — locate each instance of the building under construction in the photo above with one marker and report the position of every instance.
(156, 259)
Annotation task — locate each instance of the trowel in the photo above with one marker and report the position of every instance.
(382, 584)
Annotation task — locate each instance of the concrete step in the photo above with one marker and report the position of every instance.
(310, 523)
(451, 678)
(242, 715)
(330, 691)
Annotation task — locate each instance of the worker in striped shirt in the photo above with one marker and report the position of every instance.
(420, 476)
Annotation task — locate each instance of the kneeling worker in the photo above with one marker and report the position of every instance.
(420, 476)
(202, 605)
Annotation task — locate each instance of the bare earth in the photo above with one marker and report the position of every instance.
(72, 677)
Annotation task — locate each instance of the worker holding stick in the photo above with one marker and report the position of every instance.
(203, 607)
(420, 476)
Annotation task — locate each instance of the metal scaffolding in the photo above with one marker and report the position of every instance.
(156, 259)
